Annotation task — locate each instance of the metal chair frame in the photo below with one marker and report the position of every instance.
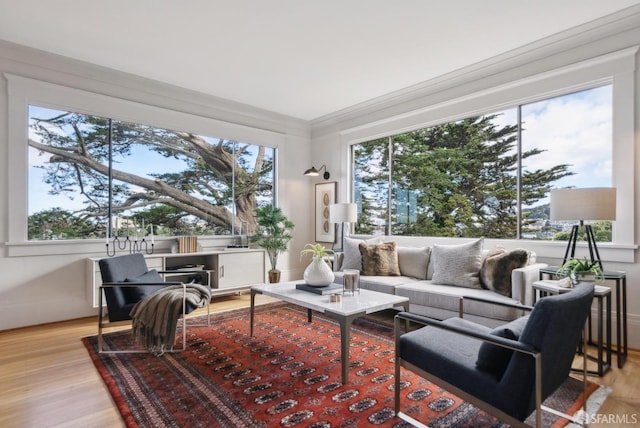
(101, 315)
(502, 342)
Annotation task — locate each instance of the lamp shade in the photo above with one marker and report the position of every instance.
(343, 213)
(312, 172)
(594, 203)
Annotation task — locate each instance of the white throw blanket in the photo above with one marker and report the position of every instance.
(155, 318)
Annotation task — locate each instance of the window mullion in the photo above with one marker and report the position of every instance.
(110, 179)
(519, 175)
(390, 187)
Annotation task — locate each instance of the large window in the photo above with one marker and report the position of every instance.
(487, 175)
(89, 173)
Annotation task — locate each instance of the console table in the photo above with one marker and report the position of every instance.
(224, 271)
(620, 278)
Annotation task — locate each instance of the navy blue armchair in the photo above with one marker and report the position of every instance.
(126, 280)
(507, 371)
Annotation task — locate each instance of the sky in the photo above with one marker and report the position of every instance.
(574, 129)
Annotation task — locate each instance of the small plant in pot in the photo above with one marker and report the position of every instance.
(318, 273)
(577, 269)
(273, 234)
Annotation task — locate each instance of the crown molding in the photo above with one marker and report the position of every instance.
(52, 68)
(522, 62)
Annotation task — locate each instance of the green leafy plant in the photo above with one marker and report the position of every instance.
(577, 268)
(317, 251)
(273, 233)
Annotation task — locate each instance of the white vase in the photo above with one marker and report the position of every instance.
(318, 273)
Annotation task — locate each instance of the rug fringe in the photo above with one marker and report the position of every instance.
(594, 402)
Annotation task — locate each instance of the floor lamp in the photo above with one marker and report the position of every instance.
(343, 213)
(595, 203)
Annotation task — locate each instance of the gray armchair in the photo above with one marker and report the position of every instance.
(126, 280)
(507, 371)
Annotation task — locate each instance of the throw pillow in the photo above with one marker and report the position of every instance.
(379, 259)
(414, 261)
(352, 258)
(135, 294)
(495, 273)
(458, 265)
(494, 358)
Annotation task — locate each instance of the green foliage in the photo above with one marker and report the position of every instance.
(464, 176)
(601, 229)
(273, 233)
(581, 265)
(317, 251)
(57, 224)
(577, 268)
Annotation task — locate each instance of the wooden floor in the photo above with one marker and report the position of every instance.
(48, 380)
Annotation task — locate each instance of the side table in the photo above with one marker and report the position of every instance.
(547, 287)
(620, 278)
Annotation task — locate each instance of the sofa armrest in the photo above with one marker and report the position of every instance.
(522, 280)
(518, 306)
(338, 256)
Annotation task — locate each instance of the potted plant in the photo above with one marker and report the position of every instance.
(577, 269)
(273, 234)
(318, 273)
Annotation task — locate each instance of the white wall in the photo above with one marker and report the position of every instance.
(46, 282)
(566, 60)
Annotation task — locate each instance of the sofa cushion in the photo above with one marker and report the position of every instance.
(381, 284)
(495, 273)
(414, 261)
(135, 294)
(458, 265)
(494, 358)
(445, 301)
(379, 259)
(352, 258)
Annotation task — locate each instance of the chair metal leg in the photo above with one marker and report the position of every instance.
(537, 358)
(101, 325)
(208, 323)
(100, 317)
(396, 388)
(584, 364)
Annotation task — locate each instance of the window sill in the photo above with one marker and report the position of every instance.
(556, 249)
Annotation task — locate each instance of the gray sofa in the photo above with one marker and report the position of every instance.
(430, 277)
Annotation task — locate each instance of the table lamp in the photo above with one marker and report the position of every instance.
(343, 213)
(595, 203)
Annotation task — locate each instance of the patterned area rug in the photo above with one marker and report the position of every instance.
(287, 375)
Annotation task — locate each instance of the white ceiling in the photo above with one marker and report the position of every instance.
(301, 58)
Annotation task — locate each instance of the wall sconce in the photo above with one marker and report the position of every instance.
(313, 172)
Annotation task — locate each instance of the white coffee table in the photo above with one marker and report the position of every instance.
(345, 311)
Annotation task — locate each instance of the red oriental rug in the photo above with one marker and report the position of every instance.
(287, 375)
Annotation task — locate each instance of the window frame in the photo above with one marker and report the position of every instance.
(23, 91)
(391, 210)
(616, 68)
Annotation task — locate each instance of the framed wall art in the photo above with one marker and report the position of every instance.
(325, 196)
